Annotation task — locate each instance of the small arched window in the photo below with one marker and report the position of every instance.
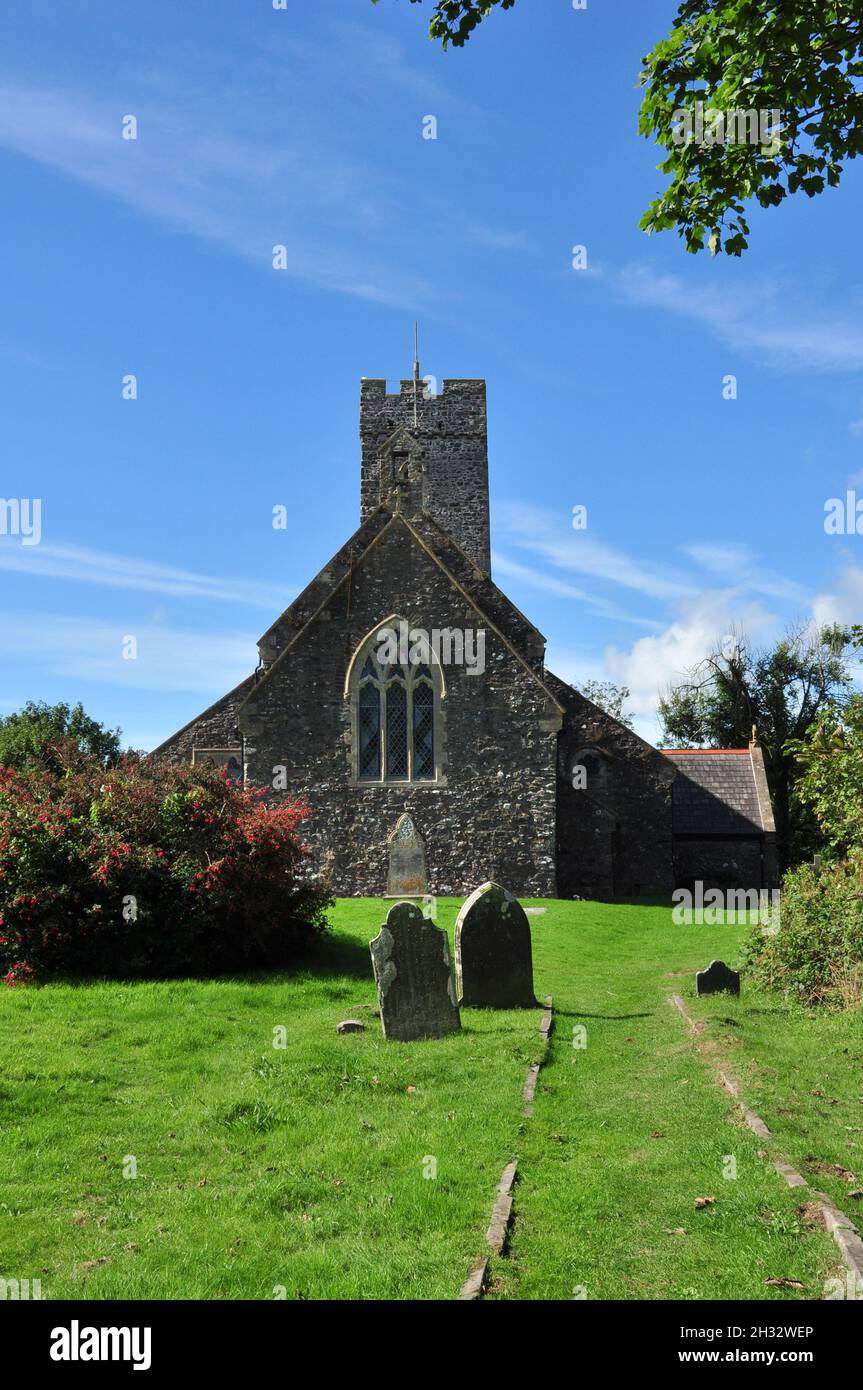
(395, 708)
(590, 770)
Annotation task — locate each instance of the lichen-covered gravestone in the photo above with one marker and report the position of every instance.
(718, 976)
(410, 958)
(407, 876)
(493, 959)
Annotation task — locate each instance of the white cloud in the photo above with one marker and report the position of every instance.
(652, 663)
(846, 604)
(767, 317)
(77, 563)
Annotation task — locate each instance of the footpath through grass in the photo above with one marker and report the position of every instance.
(631, 1129)
(309, 1169)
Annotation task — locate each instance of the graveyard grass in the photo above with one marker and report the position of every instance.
(304, 1167)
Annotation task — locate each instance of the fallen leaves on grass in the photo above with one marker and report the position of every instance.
(784, 1283)
(701, 1202)
(832, 1170)
(812, 1213)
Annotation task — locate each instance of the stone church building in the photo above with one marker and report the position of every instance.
(404, 697)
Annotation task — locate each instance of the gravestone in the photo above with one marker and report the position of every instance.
(718, 976)
(493, 960)
(410, 958)
(407, 877)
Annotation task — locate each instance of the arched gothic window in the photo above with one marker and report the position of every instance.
(395, 722)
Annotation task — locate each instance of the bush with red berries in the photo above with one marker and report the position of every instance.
(149, 870)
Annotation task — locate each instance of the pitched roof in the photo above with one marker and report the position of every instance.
(526, 641)
(715, 792)
(578, 704)
(232, 700)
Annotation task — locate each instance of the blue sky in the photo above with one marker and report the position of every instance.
(304, 127)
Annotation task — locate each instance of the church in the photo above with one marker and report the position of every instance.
(404, 697)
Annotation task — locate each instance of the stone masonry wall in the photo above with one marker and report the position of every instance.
(491, 815)
(728, 863)
(452, 431)
(215, 728)
(614, 836)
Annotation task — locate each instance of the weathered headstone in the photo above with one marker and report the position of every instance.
(411, 961)
(351, 1025)
(718, 976)
(493, 960)
(407, 876)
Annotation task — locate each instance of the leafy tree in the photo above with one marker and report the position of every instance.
(610, 697)
(780, 692)
(831, 756)
(453, 21)
(32, 737)
(802, 58)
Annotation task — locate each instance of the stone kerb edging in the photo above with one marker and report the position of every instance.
(840, 1226)
(501, 1215)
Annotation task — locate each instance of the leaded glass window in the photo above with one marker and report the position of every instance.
(395, 720)
(423, 730)
(397, 730)
(370, 731)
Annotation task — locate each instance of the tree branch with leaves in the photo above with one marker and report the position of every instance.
(802, 58)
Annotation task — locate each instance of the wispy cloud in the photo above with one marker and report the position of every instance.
(252, 157)
(734, 564)
(538, 579)
(768, 317)
(79, 564)
(168, 659)
(550, 537)
(498, 238)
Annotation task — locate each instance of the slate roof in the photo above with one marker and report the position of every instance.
(714, 792)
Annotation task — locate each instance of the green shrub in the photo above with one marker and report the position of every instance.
(816, 956)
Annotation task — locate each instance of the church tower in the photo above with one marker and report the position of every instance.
(428, 453)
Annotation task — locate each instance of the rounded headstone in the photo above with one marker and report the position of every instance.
(493, 957)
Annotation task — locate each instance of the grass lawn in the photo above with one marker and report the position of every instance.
(304, 1167)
